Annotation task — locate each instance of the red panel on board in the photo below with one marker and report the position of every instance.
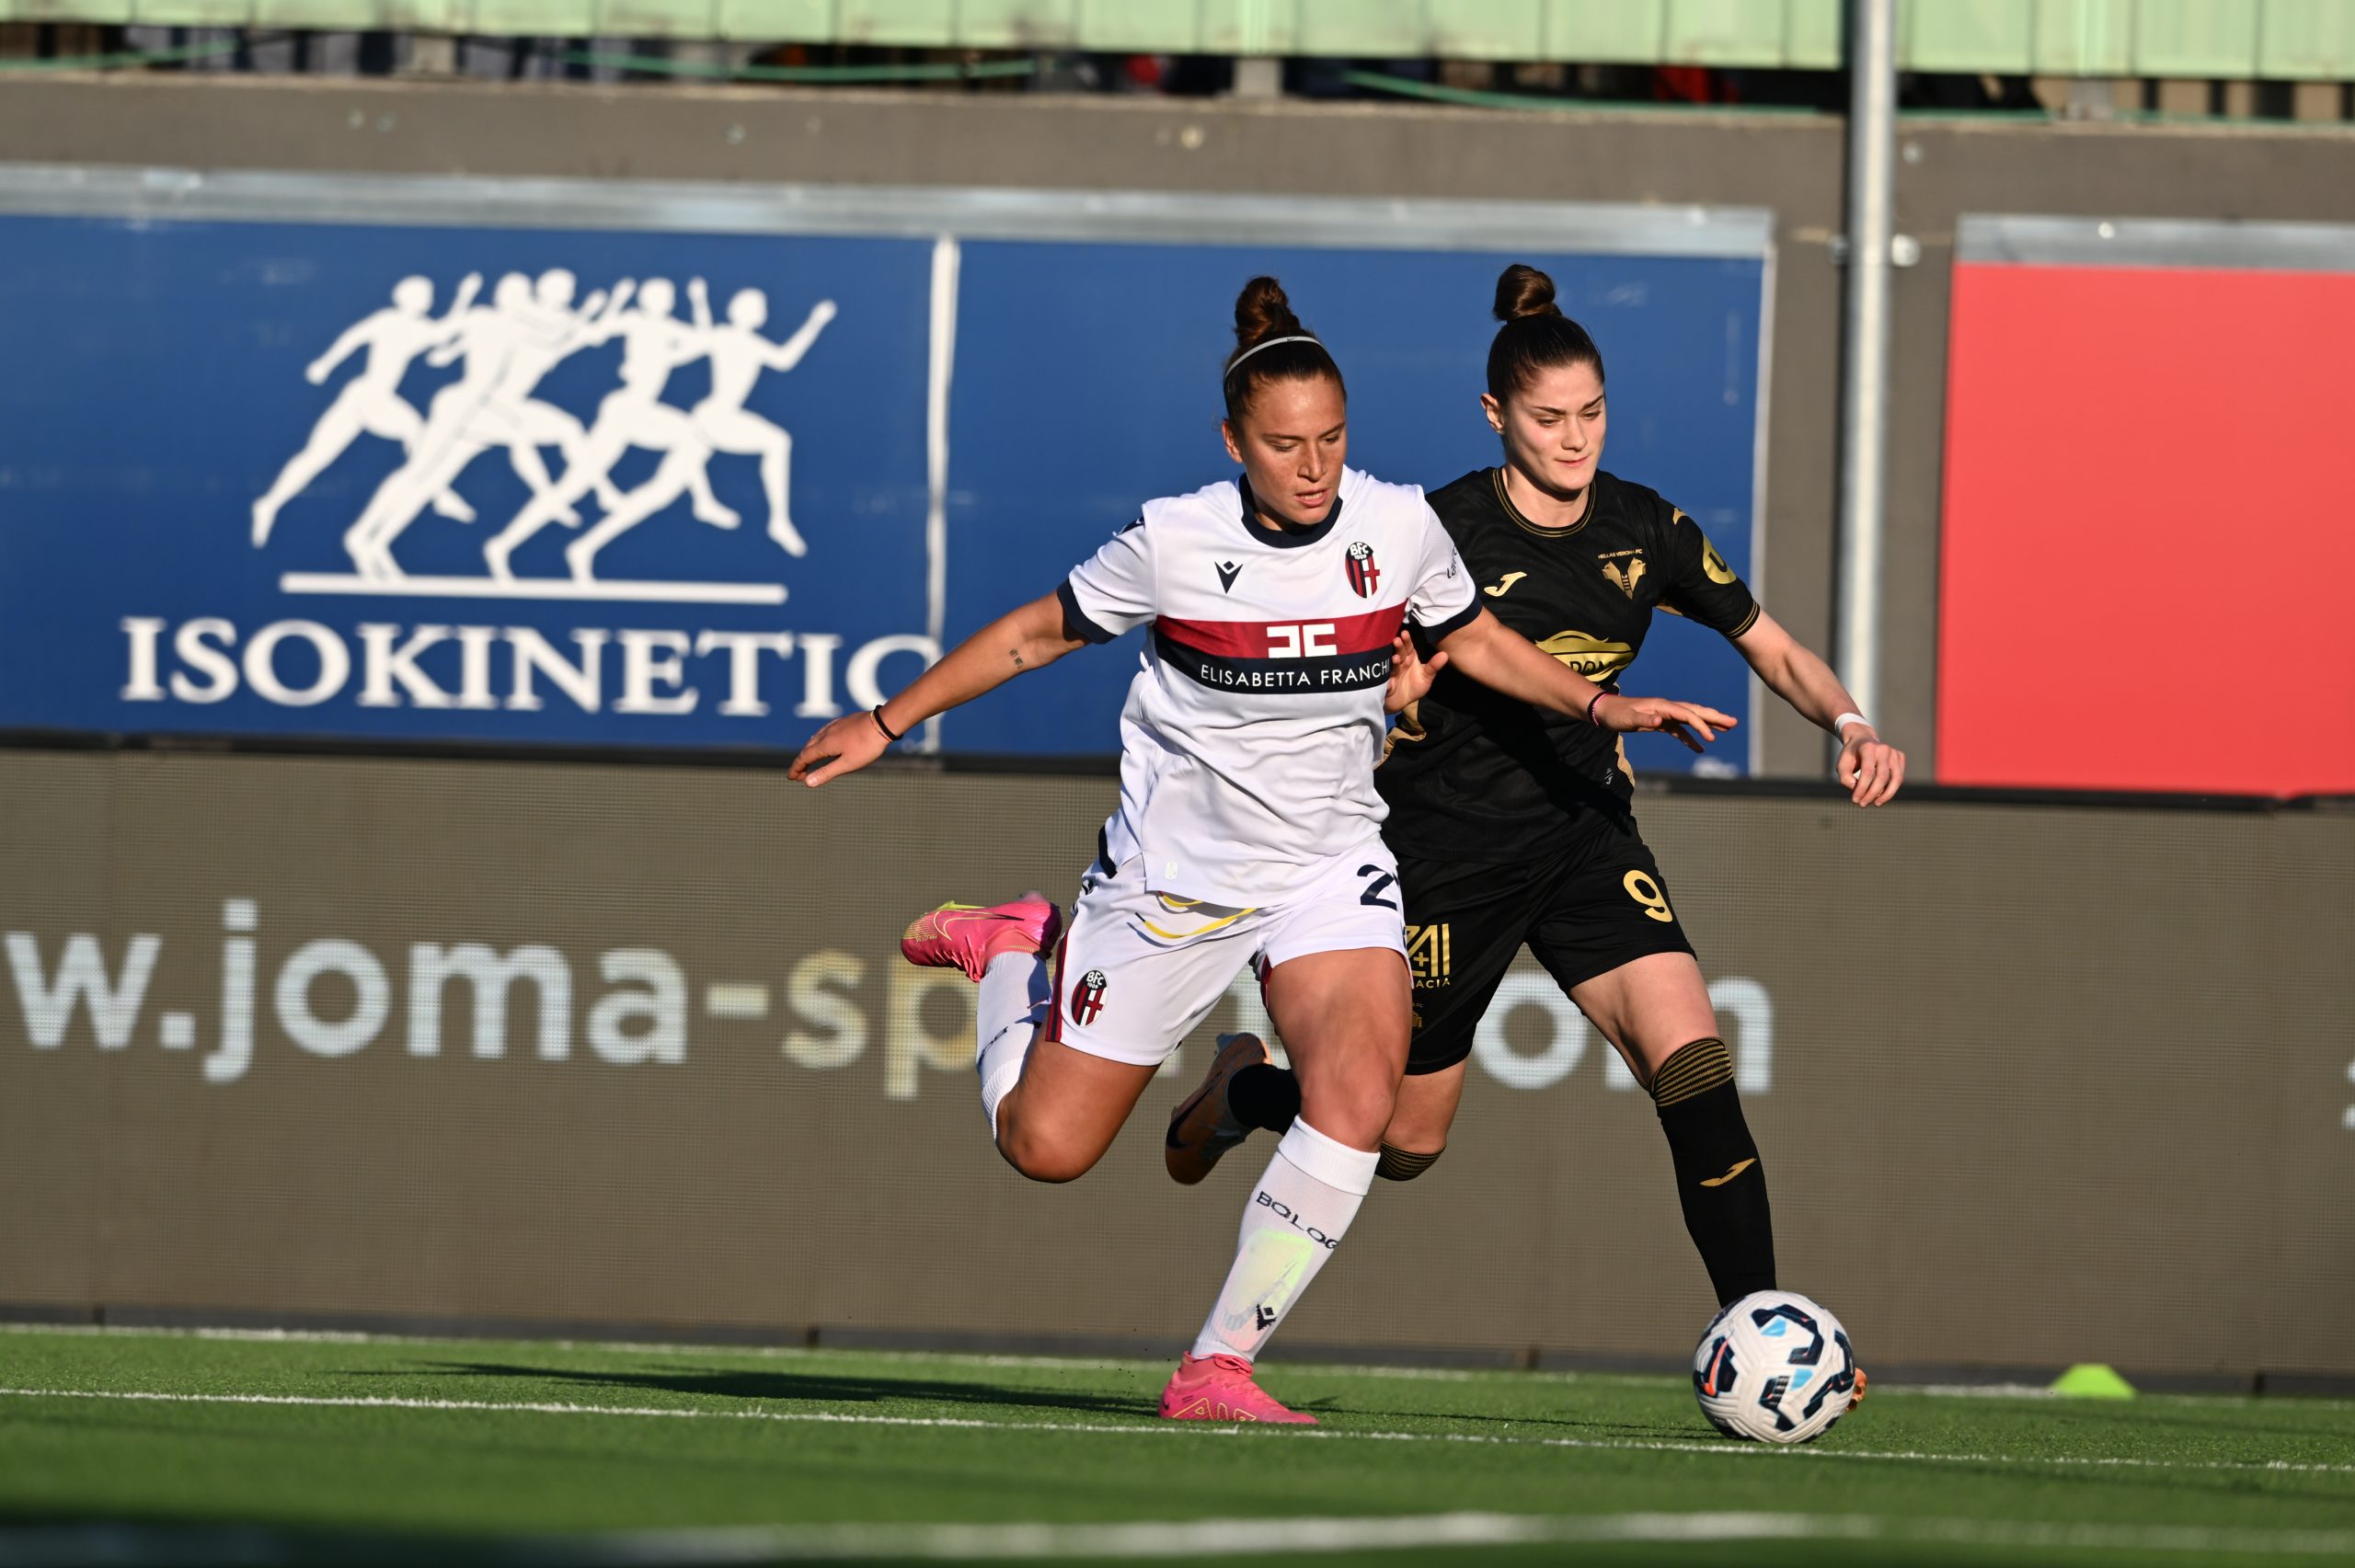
(2148, 544)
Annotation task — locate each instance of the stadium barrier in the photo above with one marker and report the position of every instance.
(418, 1039)
(798, 405)
(244, 408)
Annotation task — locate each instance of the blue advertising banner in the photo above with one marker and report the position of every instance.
(595, 464)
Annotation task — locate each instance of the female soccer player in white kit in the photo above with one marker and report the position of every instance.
(1248, 828)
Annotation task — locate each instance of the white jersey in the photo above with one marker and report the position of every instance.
(1249, 737)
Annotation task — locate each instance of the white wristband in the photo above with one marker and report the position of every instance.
(1844, 720)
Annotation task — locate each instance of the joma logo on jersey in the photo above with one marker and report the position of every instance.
(1430, 955)
(1363, 574)
(1624, 576)
(1087, 997)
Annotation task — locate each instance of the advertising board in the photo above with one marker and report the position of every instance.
(389, 459)
(2136, 411)
(424, 1040)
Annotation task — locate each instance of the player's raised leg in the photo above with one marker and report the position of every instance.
(1053, 1109)
(1064, 1109)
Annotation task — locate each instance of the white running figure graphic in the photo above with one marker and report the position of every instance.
(719, 423)
(507, 347)
(654, 343)
(738, 355)
(370, 402)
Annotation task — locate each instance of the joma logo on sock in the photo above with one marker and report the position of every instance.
(1289, 1218)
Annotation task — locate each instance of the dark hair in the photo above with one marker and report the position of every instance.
(1535, 336)
(1261, 313)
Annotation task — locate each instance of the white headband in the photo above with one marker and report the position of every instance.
(1301, 338)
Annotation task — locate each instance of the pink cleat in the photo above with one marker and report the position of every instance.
(1219, 1388)
(966, 936)
(1202, 1128)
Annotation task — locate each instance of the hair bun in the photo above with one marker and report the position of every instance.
(1262, 312)
(1523, 291)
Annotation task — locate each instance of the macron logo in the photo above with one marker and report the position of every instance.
(1227, 572)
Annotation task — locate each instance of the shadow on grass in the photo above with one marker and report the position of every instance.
(831, 1388)
(163, 1541)
(225, 1431)
(802, 1388)
(1663, 1431)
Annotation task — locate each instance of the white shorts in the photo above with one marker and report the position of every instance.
(1137, 971)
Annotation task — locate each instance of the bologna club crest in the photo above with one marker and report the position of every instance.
(1365, 575)
(1087, 997)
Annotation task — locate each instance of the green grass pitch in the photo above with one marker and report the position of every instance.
(264, 1448)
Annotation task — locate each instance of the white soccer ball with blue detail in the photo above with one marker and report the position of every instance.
(1773, 1367)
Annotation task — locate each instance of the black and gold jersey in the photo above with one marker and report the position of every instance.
(1473, 774)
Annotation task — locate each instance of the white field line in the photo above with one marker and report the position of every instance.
(792, 1352)
(1067, 1363)
(71, 1546)
(1175, 1429)
(1054, 1363)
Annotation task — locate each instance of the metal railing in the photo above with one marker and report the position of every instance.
(2224, 40)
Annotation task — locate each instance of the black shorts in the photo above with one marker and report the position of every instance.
(1583, 912)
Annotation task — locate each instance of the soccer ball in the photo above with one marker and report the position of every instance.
(1773, 1367)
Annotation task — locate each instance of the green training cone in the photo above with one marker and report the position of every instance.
(2091, 1379)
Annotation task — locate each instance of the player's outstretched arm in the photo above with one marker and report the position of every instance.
(1015, 644)
(1870, 768)
(1496, 657)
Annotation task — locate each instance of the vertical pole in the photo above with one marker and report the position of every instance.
(1864, 372)
(947, 258)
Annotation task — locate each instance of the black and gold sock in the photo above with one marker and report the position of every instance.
(1719, 1182)
(1396, 1164)
(1263, 1095)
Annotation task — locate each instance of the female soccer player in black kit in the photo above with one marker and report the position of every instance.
(1512, 826)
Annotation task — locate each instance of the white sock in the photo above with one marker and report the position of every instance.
(1297, 1215)
(1013, 1004)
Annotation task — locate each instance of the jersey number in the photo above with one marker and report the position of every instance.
(1372, 894)
(1314, 640)
(1646, 891)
